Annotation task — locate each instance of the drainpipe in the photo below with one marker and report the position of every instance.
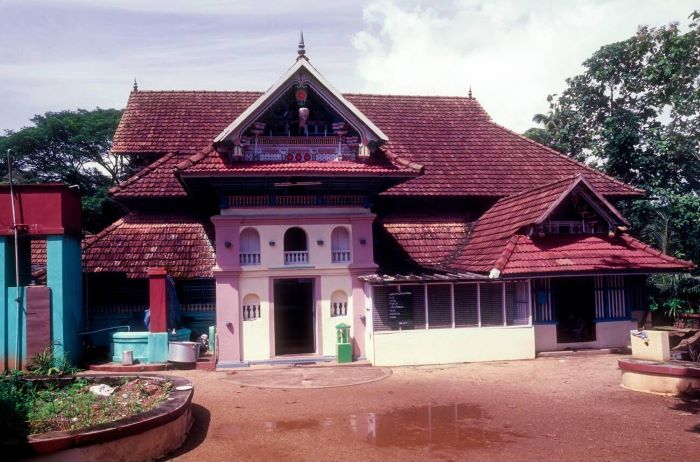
(16, 232)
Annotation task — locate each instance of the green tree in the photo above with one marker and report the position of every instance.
(635, 113)
(72, 147)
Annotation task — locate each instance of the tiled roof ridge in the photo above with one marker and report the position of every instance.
(89, 241)
(571, 159)
(141, 173)
(194, 159)
(459, 248)
(260, 92)
(526, 192)
(507, 251)
(394, 158)
(225, 92)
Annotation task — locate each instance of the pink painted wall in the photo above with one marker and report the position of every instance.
(234, 281)
(228, 317)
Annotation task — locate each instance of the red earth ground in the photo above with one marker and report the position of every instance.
(561, 408)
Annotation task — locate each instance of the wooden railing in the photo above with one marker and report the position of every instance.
(296, 258)
(340, 256)
(294, 201)
(250, 258)
(297, 140)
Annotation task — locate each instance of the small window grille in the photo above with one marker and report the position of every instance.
(251, 312)
(339, 304)
(251, 309)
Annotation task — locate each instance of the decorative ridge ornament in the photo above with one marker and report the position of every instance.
(301, 51)
(469, 95)
(136, 85)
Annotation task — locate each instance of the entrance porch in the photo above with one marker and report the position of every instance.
(577, 312)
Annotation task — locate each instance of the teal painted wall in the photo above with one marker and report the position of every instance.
(12, 320)
(63, 276)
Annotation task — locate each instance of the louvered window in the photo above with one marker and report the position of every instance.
(466, 305)
(517, 304)
(491, 304)
(439, 306)
(611, 297)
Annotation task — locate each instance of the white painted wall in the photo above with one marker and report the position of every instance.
(256, 333)
(330, 284)
(443, 346)
(610, 334)
(546, 337)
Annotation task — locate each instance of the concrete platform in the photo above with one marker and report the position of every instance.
(660, 377)
(307, 377)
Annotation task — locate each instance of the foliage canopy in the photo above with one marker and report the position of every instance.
(635, 113)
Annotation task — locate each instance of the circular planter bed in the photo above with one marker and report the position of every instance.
(141, 436)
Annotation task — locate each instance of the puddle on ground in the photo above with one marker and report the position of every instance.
(433, 427)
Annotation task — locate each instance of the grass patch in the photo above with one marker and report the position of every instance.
(74, 407)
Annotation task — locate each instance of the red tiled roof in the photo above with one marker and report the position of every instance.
(178, 242)
(463, 151)
(210, 162)
(428, 242)
(497, 242)
(585, 253)
(503, 220)
(155, 180)
(177, 121)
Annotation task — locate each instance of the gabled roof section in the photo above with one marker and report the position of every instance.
(302, 71)
(495, 233)
(464, 152)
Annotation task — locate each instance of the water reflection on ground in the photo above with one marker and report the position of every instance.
(433, 426)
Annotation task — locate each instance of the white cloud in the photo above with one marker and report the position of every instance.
(512, 53)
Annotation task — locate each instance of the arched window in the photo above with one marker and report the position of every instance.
(250, 247)
(296, 247)
(251, 307)
(340, 245)
(339, 303)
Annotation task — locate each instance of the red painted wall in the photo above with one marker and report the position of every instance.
(46, 209)
(158, 299)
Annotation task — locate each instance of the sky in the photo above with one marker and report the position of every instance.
(69, 54)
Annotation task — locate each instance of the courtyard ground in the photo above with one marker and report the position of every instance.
(557, 408)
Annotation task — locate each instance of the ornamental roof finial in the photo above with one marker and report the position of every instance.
(301, 50)
(469, 95)
(136, 85)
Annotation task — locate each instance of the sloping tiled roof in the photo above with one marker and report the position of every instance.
(177, 121)
(180, 243)
(464, 153)
(210, 162)
(497, 242)
(585, 253)
(155, 180)
(428, 242)
(503, 220)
